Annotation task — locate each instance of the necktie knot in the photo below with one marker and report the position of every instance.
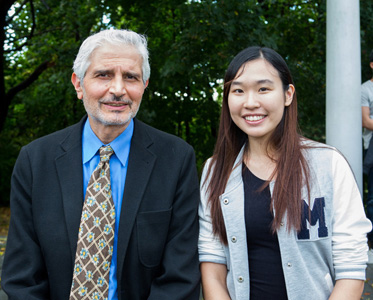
(105, 153)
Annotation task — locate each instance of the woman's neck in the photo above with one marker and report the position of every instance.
(260, 159)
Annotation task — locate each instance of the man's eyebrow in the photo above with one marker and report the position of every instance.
(109, 71)
(133, 74)
(102, 71)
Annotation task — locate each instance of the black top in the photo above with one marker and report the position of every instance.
(266, 275)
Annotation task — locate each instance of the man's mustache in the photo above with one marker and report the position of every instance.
(116, 99)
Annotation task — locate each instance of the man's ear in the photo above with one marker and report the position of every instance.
(146, 83)
(371, 65)
(77, 85)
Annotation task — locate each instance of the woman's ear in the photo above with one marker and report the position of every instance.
(289, 95)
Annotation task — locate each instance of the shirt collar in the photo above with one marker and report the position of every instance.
(121, 145)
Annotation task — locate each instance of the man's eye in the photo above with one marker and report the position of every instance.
(131, 77)
(263, 89)
(102, 75)
(238, 91)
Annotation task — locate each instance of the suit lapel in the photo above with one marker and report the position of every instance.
(140, 165)
(70, 173)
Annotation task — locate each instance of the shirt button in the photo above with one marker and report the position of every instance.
(225, 201)
(240, 279)
(282, 223)
(289, 264)
(233, 239)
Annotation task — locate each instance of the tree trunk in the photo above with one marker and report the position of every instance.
(4, 7)
(7, 97)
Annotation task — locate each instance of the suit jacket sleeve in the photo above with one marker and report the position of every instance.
(24, 273)
(181, 276)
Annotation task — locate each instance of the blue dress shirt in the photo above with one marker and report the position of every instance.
(118, 171)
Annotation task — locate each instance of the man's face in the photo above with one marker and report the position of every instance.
(112, 88)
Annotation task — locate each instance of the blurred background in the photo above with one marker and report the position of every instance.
(191, 43)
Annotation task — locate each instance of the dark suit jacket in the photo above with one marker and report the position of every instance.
(158, 230)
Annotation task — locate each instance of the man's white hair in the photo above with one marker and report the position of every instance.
(113, 37)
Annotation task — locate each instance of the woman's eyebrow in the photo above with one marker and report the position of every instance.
(236, 83)
(261, 81)
(268, 81)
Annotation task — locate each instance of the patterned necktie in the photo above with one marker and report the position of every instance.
(96, 235)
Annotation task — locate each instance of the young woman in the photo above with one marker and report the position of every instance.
(281, 216)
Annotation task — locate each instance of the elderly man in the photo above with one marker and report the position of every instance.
(106, 208)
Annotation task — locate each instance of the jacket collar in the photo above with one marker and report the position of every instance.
(236, 175)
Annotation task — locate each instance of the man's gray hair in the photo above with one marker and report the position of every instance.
(113, 37)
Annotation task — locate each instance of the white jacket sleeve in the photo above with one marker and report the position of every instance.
(350, 225)
(209, 246)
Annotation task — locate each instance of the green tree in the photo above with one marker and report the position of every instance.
(191, 43)
(366, 26)
(41, 39)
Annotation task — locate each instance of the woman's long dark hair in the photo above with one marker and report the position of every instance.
(291, 171)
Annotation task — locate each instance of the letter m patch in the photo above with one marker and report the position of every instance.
(315, 216)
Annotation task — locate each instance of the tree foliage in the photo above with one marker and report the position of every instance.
(191, 43)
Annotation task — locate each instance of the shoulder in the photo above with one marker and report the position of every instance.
(48, 142)
(152, 131)
(367, 87)
(311, 147)
(323, 157)
(367, 83)
(57, 136)
(159, 139)
(207, 165)
(317, 153)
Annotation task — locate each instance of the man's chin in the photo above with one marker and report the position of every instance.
(115, 119)
(116, 122)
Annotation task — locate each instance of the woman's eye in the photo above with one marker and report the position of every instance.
(263, 89)
(237, 91)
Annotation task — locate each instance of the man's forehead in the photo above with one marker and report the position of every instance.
(113, 56)
(115, 50)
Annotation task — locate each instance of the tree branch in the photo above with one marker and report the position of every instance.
(9, 19)
(45, 4)
(27, 82)
(16, 48)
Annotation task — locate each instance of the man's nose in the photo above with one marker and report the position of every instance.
(117, 86)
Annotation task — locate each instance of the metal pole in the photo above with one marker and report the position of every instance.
(343, 81)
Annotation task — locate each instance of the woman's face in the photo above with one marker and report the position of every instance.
(257, 99)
